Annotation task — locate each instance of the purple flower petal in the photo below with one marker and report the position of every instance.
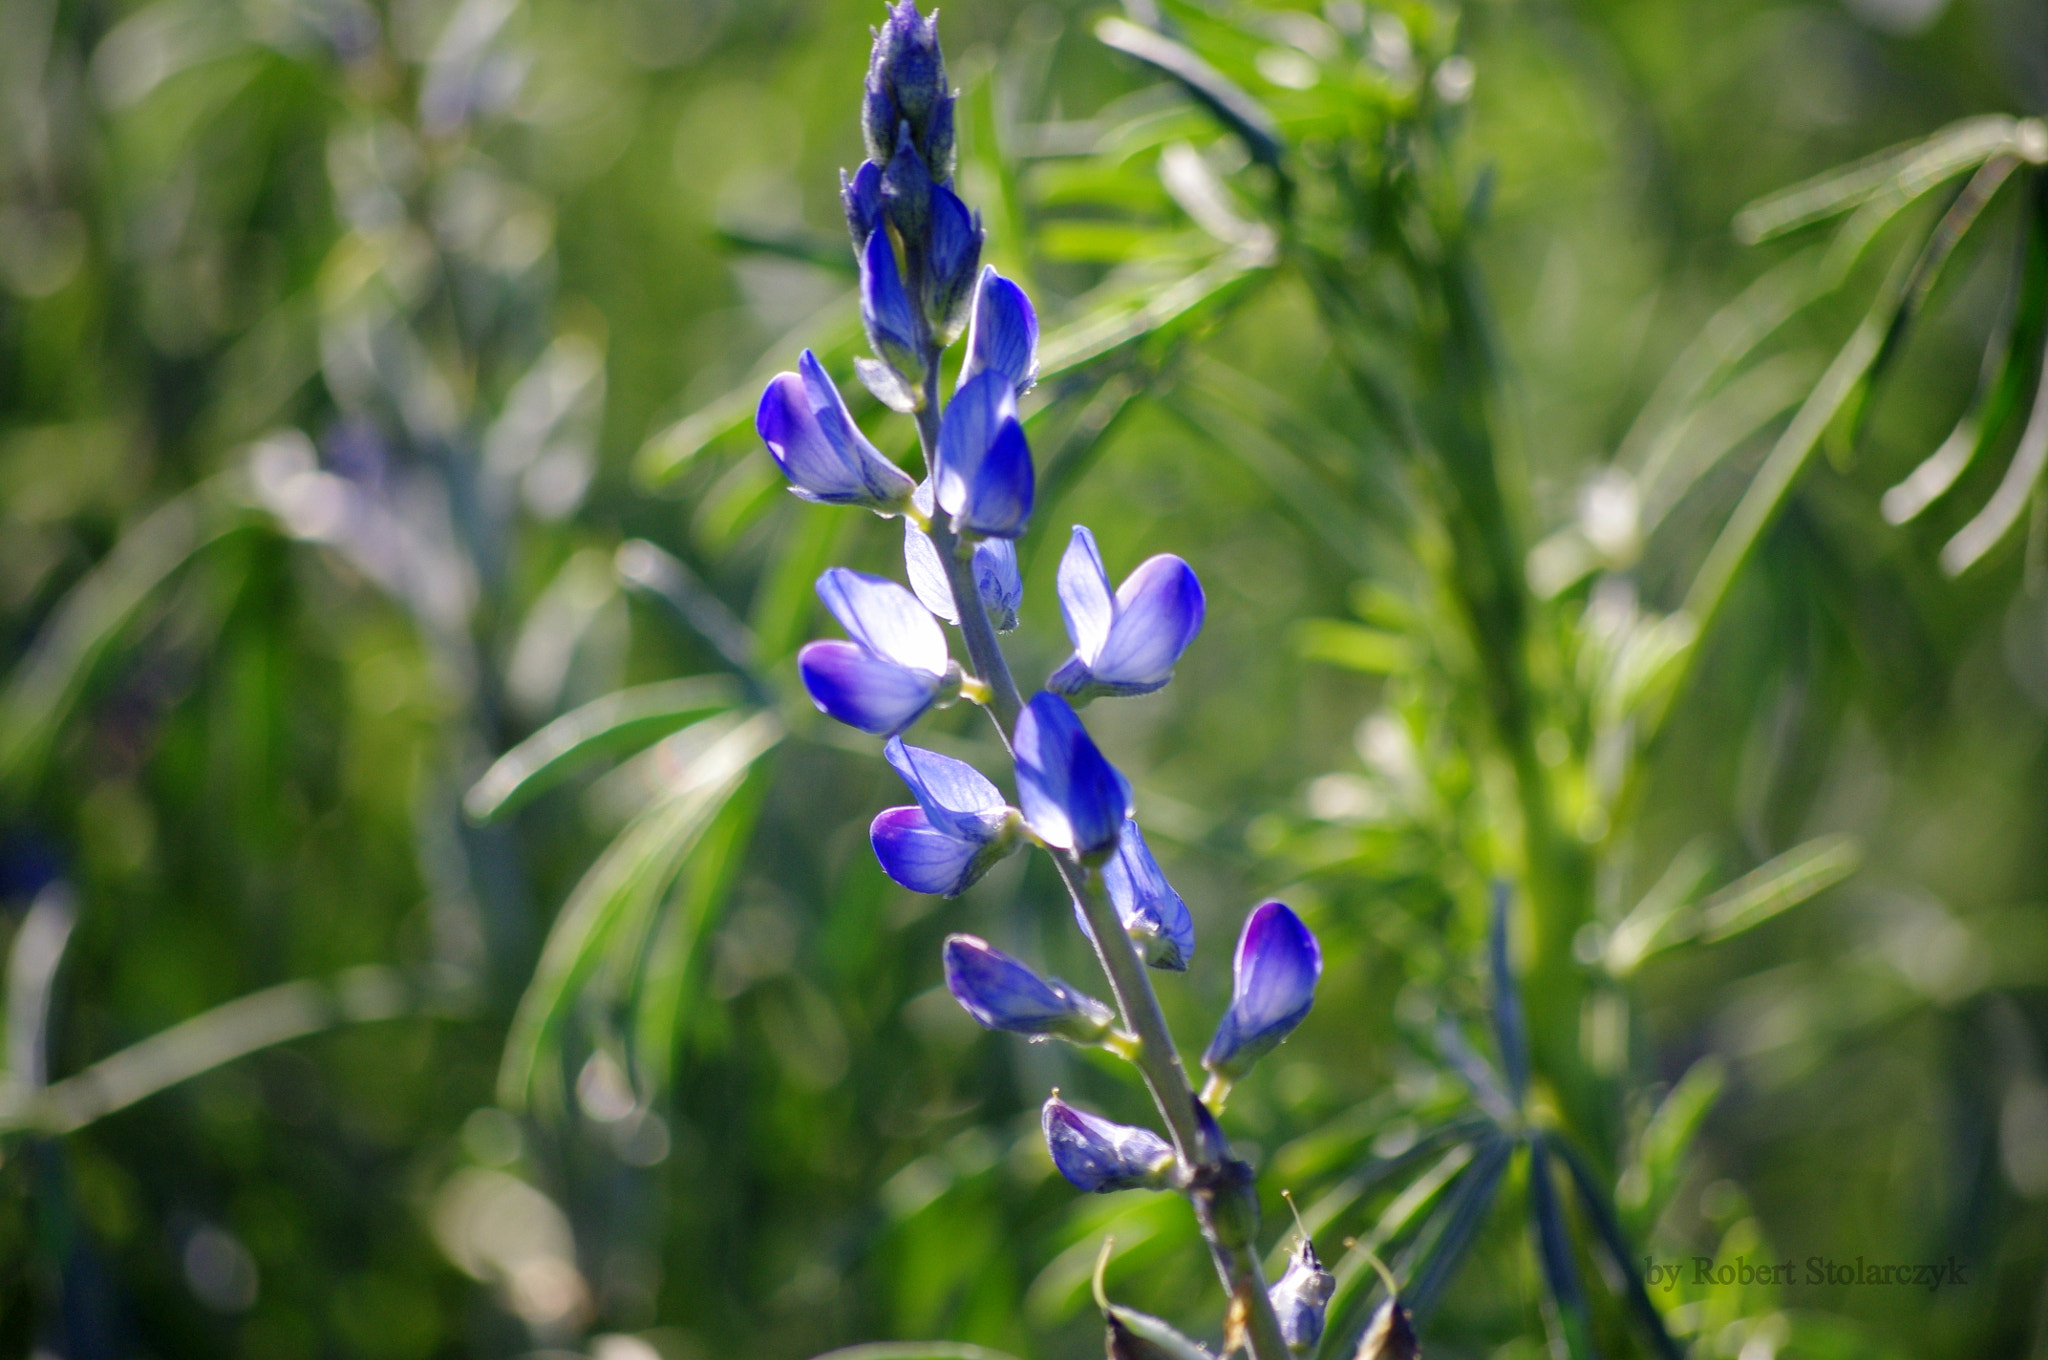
(883, 483)
(1003, 993)
(995, 573)
(1099, 1156)
(1071, 795)
(885, 308)
(1002, 333)
(1159, 609)
(955, 797)
(1277, 965)
(863, 690)
(985, 479)
(885, 618)
(1152, 912)
(1085, 600)
(922, 858)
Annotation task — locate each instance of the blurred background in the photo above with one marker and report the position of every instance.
(374, 391)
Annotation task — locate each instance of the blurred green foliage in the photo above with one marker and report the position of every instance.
(374, 383)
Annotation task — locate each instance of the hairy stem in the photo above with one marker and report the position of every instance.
(1156, 1058)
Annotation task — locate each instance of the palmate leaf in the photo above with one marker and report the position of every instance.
(614, 906)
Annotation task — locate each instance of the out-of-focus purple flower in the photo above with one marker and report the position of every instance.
(1002, 332)
(812, 437)
(1277, 965)
(895, 667)
(1072, 797)
(984, 477)
(886, 310)
(1153, 914)
(1301, 1298)
(958, 830)
(1003, 993)
(861, 196)
(1099, 1156)
(994, 565)
(952, 253)
(1126, 643)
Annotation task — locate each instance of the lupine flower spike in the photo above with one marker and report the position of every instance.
(895, 667)
(805, 423)
(1073, 799)
(1129, 642)
(1002, 993)
(1301, 1297)
(1099, 1156)
(995, 570)
(1277, 965)
(958, 830)
(1152, 912)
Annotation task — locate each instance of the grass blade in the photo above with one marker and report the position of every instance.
(623, 721)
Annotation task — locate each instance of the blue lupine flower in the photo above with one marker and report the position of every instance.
(1301, 1298)
(994, 566)
(861, 196)
(1072, 797)
(956, 833)
(906, 79)
(1003, 993)
(1099, 1156)
(1278, 962)
(952, 254)
(985, 480)
(1125, 643)
(886, 310)
(1152, 912)
(895, 668)
(812, 437)
(1002, 332)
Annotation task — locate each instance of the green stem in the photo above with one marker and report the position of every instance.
(1219, 1202)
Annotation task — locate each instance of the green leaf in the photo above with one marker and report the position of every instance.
(1659, 1163)
(1899, 174)
(623, 721)
(2001, 387)
(1456, 1226)
(1621, 1257)
(1353, 646)
(1782, 883)
(1567, 1313)
(629, 877)
(43, 689)
(1237, 110)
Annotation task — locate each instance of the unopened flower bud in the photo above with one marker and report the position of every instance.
(906, 79)
(1277, 965)
(952, 255)
(1099, 1156)
(1003, 993)
(861, 195)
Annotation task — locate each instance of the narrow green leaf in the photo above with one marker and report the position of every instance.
(1510, 1034)
(1131, 312)
(2001, 386)
(1784, 882)
(1640, 933)
(1237, 110)
(1621, 1257)
(43, 688)
(623, 721)
(636, 868)
(1457, 1226)
(1901, 172)
(1566, 1294)
(2002, 511)
(1353, 646)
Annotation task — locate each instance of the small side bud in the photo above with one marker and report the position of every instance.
(886, 311)
(1391, 1336)
(952, 255)
(1003, 993)
(861, 196)
(907, 196)
(1099, 1156)
(1301, 1297)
